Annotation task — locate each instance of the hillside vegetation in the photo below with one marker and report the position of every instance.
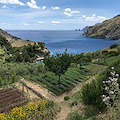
(17, 50)
(13, 40)
(109, 29)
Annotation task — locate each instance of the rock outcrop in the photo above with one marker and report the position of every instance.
(109, 29)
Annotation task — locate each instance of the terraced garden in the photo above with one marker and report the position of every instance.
(10, 98)
(71, 78)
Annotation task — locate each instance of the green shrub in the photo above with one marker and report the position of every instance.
(111, 53)
(73, 65)
(0, 81)
(90, 111)
(66, 98)
(113, 46)
(112, 60)
(50, 104)
(104, 51)
(75, 116)
(91, 93)
(74, 103)
(93, 118)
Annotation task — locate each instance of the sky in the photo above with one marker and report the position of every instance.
(55, 14)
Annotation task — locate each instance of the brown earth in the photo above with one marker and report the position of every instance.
(10, 98)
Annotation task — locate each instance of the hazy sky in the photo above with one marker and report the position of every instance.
(55, 14)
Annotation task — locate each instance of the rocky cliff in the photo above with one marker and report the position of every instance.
(109, 29)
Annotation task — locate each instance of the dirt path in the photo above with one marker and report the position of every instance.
(65, 107)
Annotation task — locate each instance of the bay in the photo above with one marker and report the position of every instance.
(58, 41)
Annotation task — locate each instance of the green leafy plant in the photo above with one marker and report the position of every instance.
(91, 92)
(90, 111)
(13, 77)
(0, 81)
(74, 103)
(75, 116)
(66, 98)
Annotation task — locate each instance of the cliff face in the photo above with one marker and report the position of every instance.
(109, 29)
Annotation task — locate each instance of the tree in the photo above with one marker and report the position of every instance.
(58, 64)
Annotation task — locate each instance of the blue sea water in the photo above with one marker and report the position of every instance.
(58, 41)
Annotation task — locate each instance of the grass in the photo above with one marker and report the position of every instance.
(94, 69)
(109, 60)
(69, 80)
(75, 116)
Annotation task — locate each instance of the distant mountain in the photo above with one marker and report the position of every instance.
(85, 28)
(109, 29)
(97, 23)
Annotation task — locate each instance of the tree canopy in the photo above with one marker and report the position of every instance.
(58, 64)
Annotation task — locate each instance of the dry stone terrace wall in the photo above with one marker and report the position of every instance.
(32, 89)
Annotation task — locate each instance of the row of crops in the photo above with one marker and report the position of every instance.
(50, 81)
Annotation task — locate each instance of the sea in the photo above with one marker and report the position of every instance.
(57, 41)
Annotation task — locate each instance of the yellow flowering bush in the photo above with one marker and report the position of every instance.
(3, 116)
(27, 111)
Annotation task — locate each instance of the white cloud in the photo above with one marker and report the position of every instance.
(12, 2)
(32, 4)
(67, 9)
(74, 12)
(43, 7)
(25, 24)
(55, 22)
(94, 17)
(55, 8)
(6, 24)
(40, 22)
(4, 6)
(69, 13)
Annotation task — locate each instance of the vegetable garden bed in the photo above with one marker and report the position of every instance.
(10, 98)
(71, 78)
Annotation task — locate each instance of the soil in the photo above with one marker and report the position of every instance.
(10, 98)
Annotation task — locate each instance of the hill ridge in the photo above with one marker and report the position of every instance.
(108, 29)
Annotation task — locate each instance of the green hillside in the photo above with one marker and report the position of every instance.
(17, 50)
(109, 29)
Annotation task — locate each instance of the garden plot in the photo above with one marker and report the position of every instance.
(69, 80)
(10, 98)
